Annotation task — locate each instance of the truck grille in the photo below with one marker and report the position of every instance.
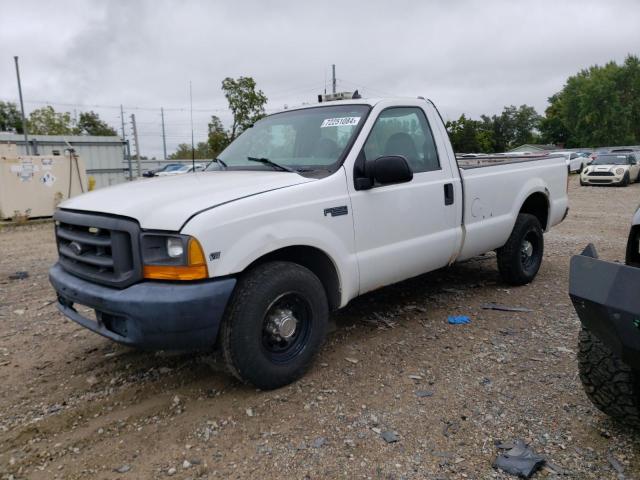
(99, 248)
(601, 174)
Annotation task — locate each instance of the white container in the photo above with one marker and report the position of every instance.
(34, 185)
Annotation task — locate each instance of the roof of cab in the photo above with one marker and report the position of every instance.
(359, 101)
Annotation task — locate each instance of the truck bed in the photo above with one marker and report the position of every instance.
(493, 196)
(467, 163)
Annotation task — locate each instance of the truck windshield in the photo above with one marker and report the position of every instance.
(302, 140)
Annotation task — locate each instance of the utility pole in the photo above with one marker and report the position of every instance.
(24, 121)
(125, 143)
(193, 150)
(135, 140)
(124, 134)
(164, 138)
(333, 74)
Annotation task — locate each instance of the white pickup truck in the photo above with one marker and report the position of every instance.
(303, 212)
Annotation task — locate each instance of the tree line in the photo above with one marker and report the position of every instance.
(599, 106)
(46, 121)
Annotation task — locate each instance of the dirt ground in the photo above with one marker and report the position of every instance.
(75, 405)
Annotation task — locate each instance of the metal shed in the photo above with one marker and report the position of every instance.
(103, 156)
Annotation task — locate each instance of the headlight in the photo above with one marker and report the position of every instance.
(619, 171)
(172, 257)
(175, 247)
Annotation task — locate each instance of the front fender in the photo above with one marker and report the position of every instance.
(235, 235)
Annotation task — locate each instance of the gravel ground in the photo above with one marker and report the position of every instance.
(75, 405)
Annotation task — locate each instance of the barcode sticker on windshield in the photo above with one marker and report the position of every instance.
(340, 122)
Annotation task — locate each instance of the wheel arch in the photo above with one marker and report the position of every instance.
(316, 260)
(537, 204)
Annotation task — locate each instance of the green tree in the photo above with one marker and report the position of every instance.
(46, 121)
(463, 134)
(245, 102)
(10, 118)
(470, 136)
(598, 106)
(218, 138)
(183, 152)
(513, 127)
(90, 123)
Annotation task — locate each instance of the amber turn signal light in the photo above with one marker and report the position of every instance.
(196, 269)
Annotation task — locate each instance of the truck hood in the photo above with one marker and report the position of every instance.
(167, 203)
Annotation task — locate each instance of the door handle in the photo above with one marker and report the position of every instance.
(448, 193)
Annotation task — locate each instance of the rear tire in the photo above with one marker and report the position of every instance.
(610, 384)
(520, 258)
(274, 325)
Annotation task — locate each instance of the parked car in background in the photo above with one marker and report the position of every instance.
(199, 167)
(167, 168)
(575, 160)
(611, 169)
(605, 296)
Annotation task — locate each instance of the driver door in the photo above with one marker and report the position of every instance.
(405, 229)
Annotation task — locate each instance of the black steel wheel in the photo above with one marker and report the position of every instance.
(286, 327)
(274, 325)
(520, 258)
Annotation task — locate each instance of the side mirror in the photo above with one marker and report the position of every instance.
(383, 170)
(390, 169)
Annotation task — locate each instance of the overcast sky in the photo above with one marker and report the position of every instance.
(467, 56)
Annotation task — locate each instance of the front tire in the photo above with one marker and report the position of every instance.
(610, 384)
(274, 325)
(520, 258)
(625, 180)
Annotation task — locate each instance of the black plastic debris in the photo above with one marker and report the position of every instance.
(518, 460)
(19, 275)
(504, 308)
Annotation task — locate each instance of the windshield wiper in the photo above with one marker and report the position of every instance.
(266, 161)
(217, 160)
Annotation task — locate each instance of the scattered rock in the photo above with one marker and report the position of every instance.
(424, 393)
(19, 311)
(249, 412)
(186, 464)
(92, 380)
(351, 360)
(319, 442)
(617, 466)
(122, 469)
(172, 471)
(389, 436)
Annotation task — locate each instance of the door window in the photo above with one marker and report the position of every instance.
(403, 131)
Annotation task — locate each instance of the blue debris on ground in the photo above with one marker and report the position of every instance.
(458, 319)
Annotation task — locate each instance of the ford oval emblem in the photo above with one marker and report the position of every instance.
(76, 248)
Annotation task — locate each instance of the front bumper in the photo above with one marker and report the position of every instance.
(602, 180)
(153, 315)
(605, 296)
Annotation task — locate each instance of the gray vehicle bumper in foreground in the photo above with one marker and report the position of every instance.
(606, 297)
(153, 315)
